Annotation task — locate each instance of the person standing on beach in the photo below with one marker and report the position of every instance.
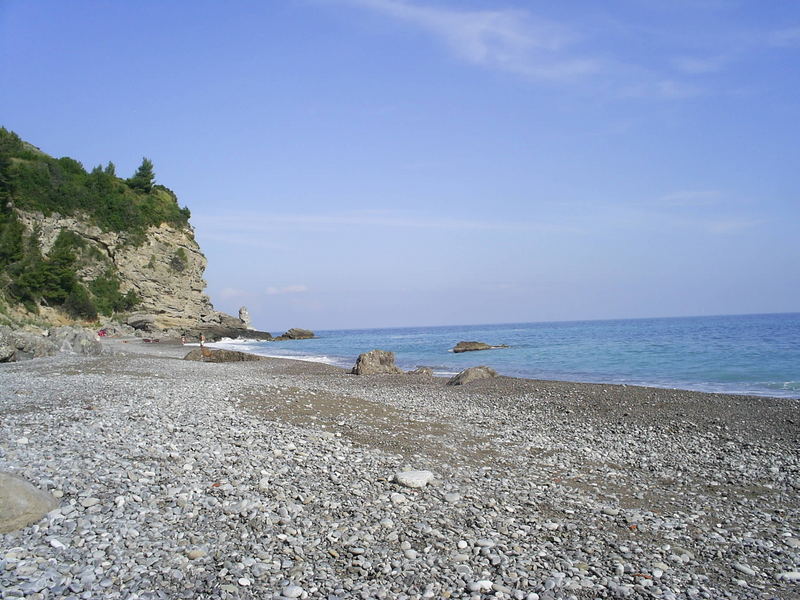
(202, 340)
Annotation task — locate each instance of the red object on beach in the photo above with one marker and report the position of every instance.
(102, 333)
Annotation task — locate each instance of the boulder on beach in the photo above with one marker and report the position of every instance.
(421, 372)
(473, 346)
(21, 503)
(217, 355)
(472, 374)
(414, 479)
(375, 362)
(27, 343)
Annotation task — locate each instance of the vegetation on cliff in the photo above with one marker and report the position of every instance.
(32, 181)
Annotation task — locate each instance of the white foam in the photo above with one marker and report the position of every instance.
(308, 358)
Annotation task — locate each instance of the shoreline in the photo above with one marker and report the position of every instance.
(543, 489)
(236, 344)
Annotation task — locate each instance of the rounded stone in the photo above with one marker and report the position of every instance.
(21, 503)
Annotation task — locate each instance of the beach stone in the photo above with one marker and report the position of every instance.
(292, 591)
(743, 568)
(375, 362)
(788, 576)
(414, 479)
(21, 503)
(421, 372)
(472, 374)
(7, 350)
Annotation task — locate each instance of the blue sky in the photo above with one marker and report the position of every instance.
(369, 163)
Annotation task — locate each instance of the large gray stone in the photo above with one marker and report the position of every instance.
(220, 356)
(143, 321)
(76, 340)
(375, 362)
(7, 348)
(21, 503)
(472, 374)
(414, 479)
(421, 372)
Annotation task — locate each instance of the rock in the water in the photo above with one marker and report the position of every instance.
(422, 372)
(472, 374)
(220, 356)
(375, 362)
(414, 479)
(217, 332)
(296, 334)
(244, 317)
(473, 346)
(21, 503)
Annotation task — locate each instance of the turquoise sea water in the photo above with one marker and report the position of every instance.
(746, 354)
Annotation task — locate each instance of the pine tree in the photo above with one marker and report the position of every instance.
(144, 177)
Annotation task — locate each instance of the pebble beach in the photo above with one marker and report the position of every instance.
(291, 479)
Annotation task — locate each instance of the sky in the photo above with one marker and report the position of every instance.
(381, 163)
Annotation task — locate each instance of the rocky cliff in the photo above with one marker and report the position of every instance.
(76, 246)
(165, 270)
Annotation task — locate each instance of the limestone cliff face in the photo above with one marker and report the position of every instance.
(165, 271)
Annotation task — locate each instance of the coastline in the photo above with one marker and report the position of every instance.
(553, 489)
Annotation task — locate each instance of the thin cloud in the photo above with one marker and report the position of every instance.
(287, 289)
(785, 38)
(730, 226)
(508, 40)
(690, 198)
(229, 293)
(693, 65)
(266, 223)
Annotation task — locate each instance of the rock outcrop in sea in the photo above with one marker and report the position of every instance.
(295, 333)
(474, 346)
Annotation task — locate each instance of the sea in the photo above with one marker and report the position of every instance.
(740, 354)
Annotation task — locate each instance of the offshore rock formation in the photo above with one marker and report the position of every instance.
(295, 333)
(474, 346)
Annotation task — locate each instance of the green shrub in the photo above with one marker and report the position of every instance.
(78, 304)
(107, 296)
(179, 261)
